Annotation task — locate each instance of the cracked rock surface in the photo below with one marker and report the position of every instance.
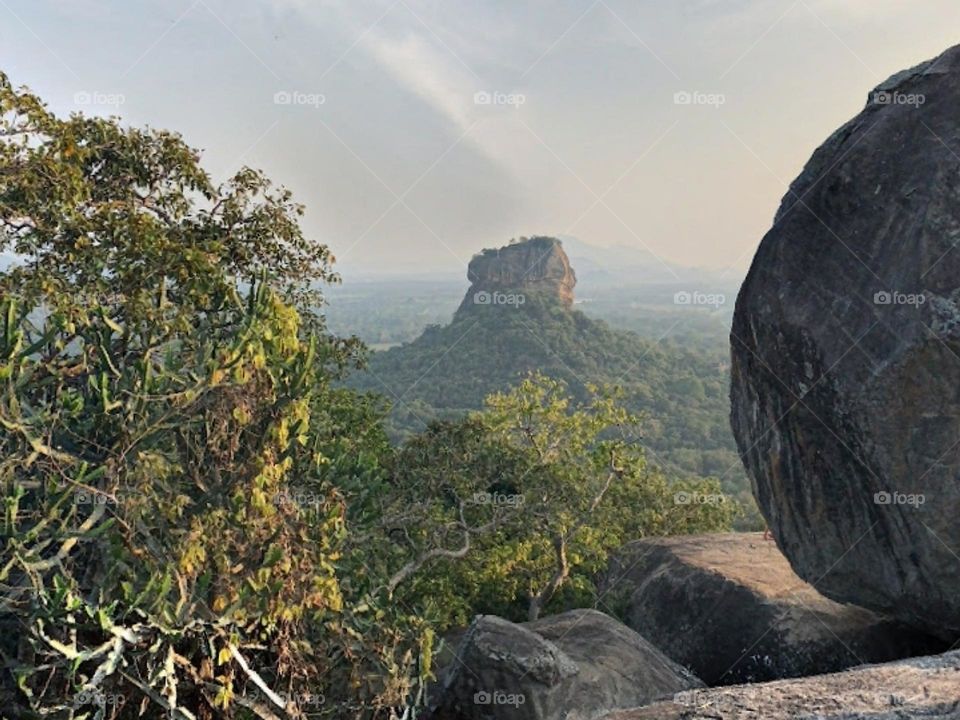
(927, 688)
(845, 376)
(572, 666)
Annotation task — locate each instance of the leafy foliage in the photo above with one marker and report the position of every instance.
(542, 490)
(170, 442)
(682, 393)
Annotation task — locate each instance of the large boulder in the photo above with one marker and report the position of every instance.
(846, 357)
(730, 608)
(573, 666)
(925, 688)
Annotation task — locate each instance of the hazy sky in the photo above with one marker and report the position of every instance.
(403, 167)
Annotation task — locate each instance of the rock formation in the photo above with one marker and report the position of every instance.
(575, 666)
(729, 607)
(846, 357)
(531, 266)
(927, 688)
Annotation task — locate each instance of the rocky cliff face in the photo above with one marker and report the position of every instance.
(846, 357)
(532, 266)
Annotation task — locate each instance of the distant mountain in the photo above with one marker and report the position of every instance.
(622, 265)
(628, 287)
(518, 316)
(597, 266)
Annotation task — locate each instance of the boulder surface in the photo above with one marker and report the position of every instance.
(927, 688)
(845, 342)
(730, 608)
(572, 666)
(531, 266)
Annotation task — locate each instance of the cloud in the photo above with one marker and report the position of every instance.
(426, 72)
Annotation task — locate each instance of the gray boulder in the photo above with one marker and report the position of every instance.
(925, 688)
(730, 608)
(845, 387)
(572, 666)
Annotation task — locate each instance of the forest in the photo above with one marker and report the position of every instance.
(204, 517)
(677, 386)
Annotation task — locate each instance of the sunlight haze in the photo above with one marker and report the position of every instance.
(401, 165)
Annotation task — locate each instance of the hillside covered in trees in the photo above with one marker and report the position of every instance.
(679, 391)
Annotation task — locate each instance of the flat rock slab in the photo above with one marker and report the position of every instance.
(927, 688)
(729, 607)
(572, 666)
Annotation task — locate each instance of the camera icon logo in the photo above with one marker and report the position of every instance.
(482, 698)
(482, 97)
(282, 98)
(682, 298)
(882, 498)
(882, 298)
(482, 298)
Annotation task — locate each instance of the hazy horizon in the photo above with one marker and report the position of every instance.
(673, 129)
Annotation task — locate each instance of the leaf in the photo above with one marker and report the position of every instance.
(224, 656)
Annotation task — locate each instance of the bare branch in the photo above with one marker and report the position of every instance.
(467, 532)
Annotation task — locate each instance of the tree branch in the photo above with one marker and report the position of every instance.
(414, 565)
(559, 577)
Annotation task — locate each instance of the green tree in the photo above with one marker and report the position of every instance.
(594, 491)
(435, 519)
(172, 445)
(518, 507)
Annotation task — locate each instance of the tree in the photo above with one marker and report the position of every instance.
(172, 443)
(552, 488)
(594, 491)
(440, 513)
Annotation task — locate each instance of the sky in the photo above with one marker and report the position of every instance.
(417, 132)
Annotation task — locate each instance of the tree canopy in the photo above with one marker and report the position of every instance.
(173, 526)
